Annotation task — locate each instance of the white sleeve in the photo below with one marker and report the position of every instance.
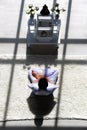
(33, 86)
(51, 87)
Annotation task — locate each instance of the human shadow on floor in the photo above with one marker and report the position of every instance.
(40, 106)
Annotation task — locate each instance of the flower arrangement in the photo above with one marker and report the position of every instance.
(31, 10)
(56, 10)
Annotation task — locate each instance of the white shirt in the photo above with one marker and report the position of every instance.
(50, 88)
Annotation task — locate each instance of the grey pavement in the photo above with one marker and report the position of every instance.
(69, 105)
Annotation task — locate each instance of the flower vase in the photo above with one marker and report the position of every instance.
(57, 16)
(31, 16)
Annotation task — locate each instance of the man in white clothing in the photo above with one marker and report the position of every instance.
(43, 82)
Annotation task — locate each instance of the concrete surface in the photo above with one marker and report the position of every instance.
(49, 123)
(70, 99)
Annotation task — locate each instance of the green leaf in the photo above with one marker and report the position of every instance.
(30, 5)
(57, 4)
(36, 8)
(27, 12)
(63, 9)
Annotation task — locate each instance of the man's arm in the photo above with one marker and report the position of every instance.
(37, 75)
(48, 79)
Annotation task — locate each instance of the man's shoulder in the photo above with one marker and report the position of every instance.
(34, 86)
(51, 87)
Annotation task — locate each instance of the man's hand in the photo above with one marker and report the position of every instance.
(37, 75)
(50, 80)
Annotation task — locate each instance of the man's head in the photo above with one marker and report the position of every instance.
(43, 83)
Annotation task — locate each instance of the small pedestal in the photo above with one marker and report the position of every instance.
(43, 36)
